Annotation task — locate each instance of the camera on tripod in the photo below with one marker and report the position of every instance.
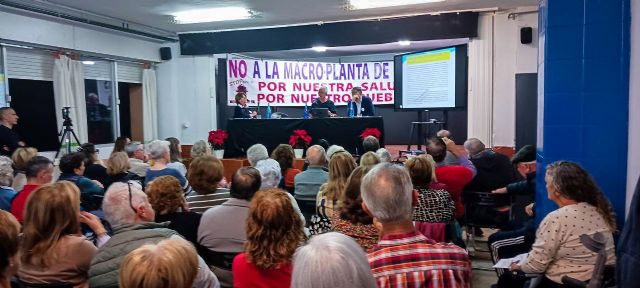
(65, 116)
(66, 132)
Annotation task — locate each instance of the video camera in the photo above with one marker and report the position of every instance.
(65, 117)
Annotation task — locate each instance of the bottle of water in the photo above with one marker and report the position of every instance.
(350, 109)
(305, 114)
(268, 111)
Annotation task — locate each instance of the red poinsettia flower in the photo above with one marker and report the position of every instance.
(300, 139)
(371, 132)
(217, 138)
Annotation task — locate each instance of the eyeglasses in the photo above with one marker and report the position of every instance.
(131, 198)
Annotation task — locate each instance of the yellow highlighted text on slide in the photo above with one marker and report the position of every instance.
(442, 56)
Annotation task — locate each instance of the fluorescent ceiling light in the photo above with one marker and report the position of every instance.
(369, 4)
(404, 42)
(319, 48)
(88, 62)
(211, 15)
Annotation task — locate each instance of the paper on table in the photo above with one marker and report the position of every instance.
(506, 263)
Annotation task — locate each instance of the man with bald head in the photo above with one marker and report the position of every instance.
(404, 257)
(494, 170)
(307, 183)
(9, 140)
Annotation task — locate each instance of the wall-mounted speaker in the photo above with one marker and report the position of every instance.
(526, 35)
(165, 53)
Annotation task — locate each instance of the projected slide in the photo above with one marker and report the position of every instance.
(429, 79)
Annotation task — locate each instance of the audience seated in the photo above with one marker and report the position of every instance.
(404, 257)
(256, 153)
(52, 250)
(331, 254)
(285, 156)
(494, 170)
(449, 159)
(159, 152)
(370, 144)
(308, 182)
(274, 232)
(523, 191)
(351, 219)
(20, 158)
(222, 237)
(39, 172)
(333, 149)
(118, 170)
(72, 168)
(557, 250)
(205, 174)
(175, 156)
(384, 155)
(456, 176)
(131, 215)
(94, 169)
(434, 203)
(9, 245)
(170, 263)
(120, 144)
(369, 159)
(6, 177)
(200, 148)
(270, 173)
(330, 195)
(167, 199)
(135, 151)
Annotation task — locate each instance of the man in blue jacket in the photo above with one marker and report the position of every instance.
(361, 105)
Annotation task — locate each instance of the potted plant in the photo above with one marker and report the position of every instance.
(216, 140)
(299, 140)
(371, 132)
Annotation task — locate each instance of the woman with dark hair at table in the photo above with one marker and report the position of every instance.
(242, 111)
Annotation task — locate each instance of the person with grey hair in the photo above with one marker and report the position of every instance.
(332, 254)
(131, 215)
(256, 153)
(370, 144)
(494, 170)
(135, 152)
(200, 148)
(403, 253)
(159, 152)
(271, 174)
(323, 102)
(307, 183)
(6, 178)
(384, 155)
(333, 149)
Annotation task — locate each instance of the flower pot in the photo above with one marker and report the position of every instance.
(298, 152)
(218, 153)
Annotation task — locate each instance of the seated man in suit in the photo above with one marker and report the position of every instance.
(361, 105)
(323, 102)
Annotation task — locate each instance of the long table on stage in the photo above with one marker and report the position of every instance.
(271, 132)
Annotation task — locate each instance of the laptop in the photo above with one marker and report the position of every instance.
(320, 112)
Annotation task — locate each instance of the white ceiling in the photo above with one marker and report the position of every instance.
(155, 13)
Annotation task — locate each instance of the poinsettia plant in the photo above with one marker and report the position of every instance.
(370, 132)
(217, 138)
(300, 139)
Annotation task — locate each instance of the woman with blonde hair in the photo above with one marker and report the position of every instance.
(329, 197)
(170, 263)
(9, 242)
(274, 232)
(167, 199)
(118, 167)
(20, 159)
(53, 251)
(435, 204)
(369, 159)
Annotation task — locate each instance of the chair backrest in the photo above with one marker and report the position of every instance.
(487, 199)
(222, 260)
(51, 285)
(596, 243)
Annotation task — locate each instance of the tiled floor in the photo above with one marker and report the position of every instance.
(483, 274)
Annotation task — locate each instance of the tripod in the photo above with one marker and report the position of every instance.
(66, 132)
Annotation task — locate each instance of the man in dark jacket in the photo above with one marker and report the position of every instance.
(494, 169)
(361, 105)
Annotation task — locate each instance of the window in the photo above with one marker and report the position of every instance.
(34, 103)
(100, 114)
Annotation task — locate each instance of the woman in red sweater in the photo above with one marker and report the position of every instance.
(274, 232)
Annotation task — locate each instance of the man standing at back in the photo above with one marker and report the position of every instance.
(9, 140)
(403, 256)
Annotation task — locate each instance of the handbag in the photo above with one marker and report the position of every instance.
(319, 223)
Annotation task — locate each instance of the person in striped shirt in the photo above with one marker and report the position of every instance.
(403, 256)
(205, 173)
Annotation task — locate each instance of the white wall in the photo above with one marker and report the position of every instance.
(186, 97)
(510, 57)
(633, 168)
(66, 35)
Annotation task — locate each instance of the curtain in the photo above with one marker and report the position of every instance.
(480, 106)
(68, 91)
(149, 105)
